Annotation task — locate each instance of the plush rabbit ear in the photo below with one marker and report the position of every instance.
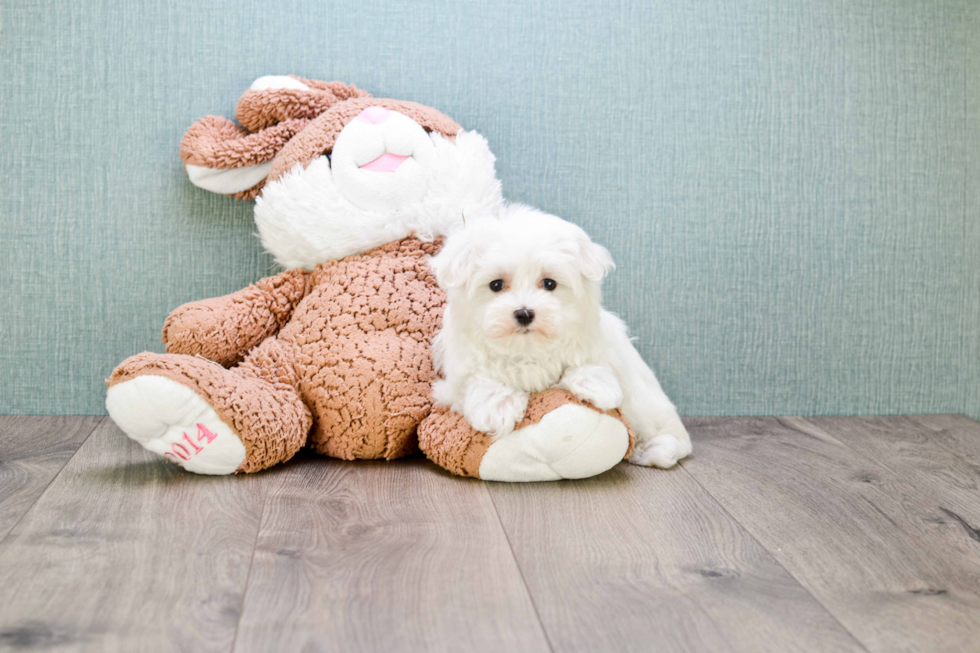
(273, 82)
(223, 158)
(226, 158)
(274, 98)
(240, 183)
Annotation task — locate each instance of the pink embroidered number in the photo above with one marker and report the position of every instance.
(181, 452)
(202, 433)
(182, 456)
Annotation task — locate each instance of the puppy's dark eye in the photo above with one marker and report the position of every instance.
(549, 284)
(497, 285)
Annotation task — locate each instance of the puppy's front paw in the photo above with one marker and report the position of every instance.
(594, 383)
(493, 408)
(662, 451)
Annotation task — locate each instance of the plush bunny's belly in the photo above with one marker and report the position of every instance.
(361, 343)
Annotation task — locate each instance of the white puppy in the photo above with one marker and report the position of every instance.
(524, 314)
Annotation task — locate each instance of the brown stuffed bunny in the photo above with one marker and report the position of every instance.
(352, 195)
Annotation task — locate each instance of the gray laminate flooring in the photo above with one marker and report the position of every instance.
(779, 534)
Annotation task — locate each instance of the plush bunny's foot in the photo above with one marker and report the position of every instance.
(208, 419)
(171, 420)
(571, 441)
(560, 437)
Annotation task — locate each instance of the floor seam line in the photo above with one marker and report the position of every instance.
(520, 570)
(53, 478)
(251, 564)
(776, 560)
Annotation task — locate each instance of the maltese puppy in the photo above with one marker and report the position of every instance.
(524, 314)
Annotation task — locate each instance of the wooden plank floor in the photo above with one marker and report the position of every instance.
(779, 534)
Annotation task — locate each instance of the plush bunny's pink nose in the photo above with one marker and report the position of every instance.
(374, 115)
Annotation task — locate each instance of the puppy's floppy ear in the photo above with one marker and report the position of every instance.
(456, 262)
(594, 260)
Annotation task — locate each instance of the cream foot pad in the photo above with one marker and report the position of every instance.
(173, 421)
(571, 441)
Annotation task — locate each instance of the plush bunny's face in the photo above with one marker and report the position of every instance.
(321, 212)
(335, 172)
(382, 160)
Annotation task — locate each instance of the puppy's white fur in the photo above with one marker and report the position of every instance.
(491, 363)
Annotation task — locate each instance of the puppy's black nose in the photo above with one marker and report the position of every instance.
(524, 316)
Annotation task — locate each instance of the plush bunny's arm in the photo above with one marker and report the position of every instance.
(225, 329)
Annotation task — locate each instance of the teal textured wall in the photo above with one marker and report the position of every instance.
(791, 188)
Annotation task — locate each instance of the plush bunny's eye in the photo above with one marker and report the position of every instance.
(549, 284)
(497, 285)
